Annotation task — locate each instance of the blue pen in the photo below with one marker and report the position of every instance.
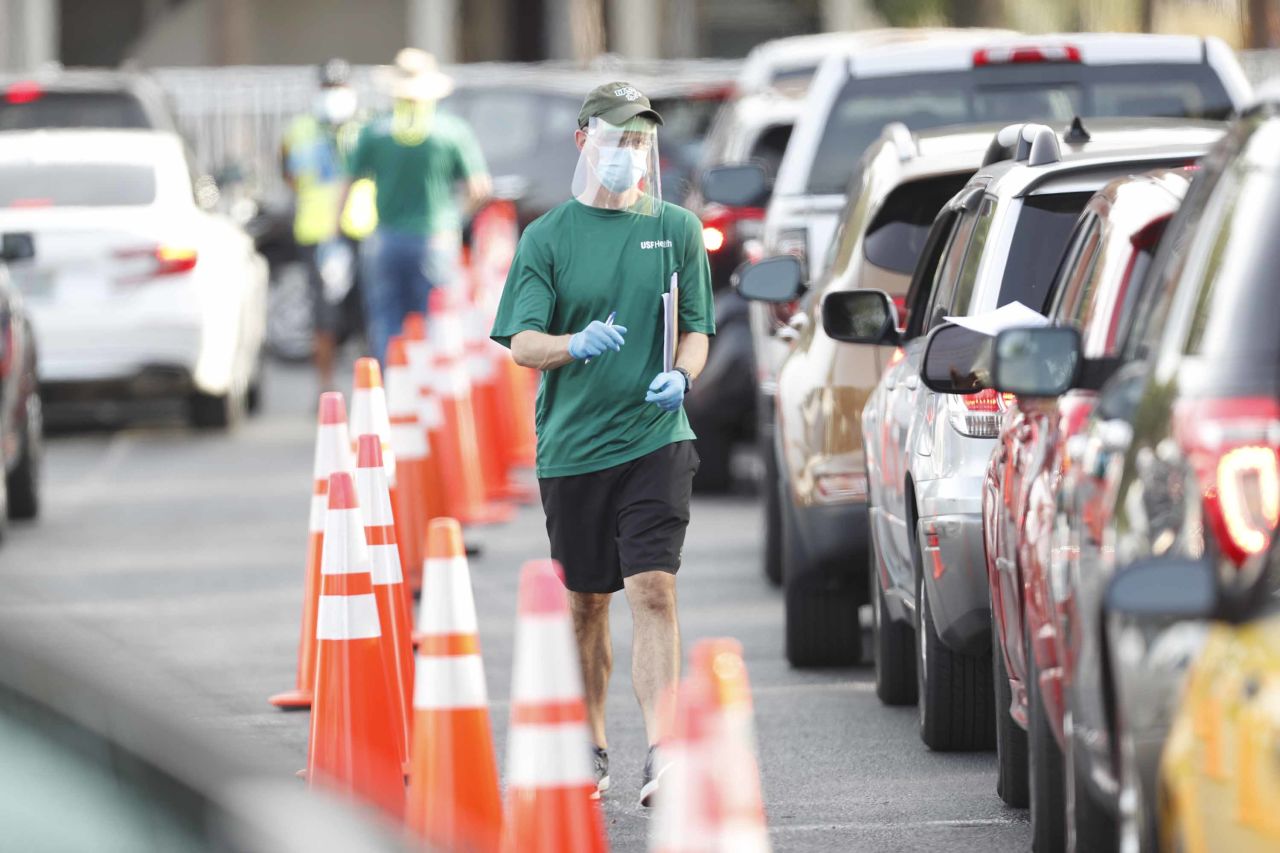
(607, 322)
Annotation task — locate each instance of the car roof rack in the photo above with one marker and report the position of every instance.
(901, 137)
(1030, 143)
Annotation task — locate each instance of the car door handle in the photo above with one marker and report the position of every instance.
(912, 382)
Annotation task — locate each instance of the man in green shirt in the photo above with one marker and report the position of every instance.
(615, 458)
(416, 158)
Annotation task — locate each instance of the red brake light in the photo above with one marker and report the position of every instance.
(168, 260)
(1025, 54)
(987, 402)
(712, 238)
(1234, 447)
(23, 92)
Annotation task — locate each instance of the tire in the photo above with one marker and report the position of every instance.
(253, 397)
(1094, 827)
(772, 552)
(715, 449)
(23, 483)
(893, 647)
(1012, 780)
(954, 691)
(822, 628)
(215, 411)
(290, 315)
(1048, 791)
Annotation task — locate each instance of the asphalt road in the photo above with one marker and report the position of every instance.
(173, 562)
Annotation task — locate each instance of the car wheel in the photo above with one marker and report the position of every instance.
(290, 315)
(1090, 824)
(715, 449)
(216, 411)
(772, 552)
(253, 397)
(954, 692)
(22, 485)
(1048, 826)
(893, 646)
(1011, 739)
(822, 627)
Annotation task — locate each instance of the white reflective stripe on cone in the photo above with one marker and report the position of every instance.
(455, 384)
(345, 550)
(333, 450)
(409, 440)
(546, 667)
(347, 617)
(319, 505)
(386, 565)
(401, 391)
(450, 608)
(744, 836)
(442, 683)
(431, 415)
(541, 755)
(372, 490)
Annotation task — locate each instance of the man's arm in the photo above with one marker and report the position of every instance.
(546, 352)
(691, 352)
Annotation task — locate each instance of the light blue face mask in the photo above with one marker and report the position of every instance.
(619, 169)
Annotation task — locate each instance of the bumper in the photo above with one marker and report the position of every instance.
(832, 541)
(147, 383)
(101, 356)
(955, 575)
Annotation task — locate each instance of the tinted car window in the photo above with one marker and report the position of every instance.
(1053, 92)
(769, 148)
(76, 185)
(896, 235)
(109, 110)
(944, 281)
(1041, 235)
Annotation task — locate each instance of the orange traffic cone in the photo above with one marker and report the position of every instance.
(459, 449)
(388, 582)
(519, 385)
(436, 498)
(731, 739)
(684, 818)
(354, 743)
(332, 454)
(453, 782)
(370, 414)
(409, 441)
(549, 778)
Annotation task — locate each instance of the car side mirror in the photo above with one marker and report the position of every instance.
(17, 247)
(860, 317)
(1176, 587)
(743, 185)
(777, 279)
(957, 361)
(1038, 362)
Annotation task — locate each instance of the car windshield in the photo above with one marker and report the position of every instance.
(76, 185)
(1006, 93)
(1041, 236)
(31, 109)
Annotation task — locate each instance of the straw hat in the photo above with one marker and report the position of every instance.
(416, 76)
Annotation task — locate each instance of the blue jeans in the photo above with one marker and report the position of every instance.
(395, 283)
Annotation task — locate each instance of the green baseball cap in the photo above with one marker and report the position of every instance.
(616, 103)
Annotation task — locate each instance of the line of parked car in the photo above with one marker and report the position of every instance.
(1055, 451)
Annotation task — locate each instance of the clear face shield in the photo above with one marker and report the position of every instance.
(618, 167)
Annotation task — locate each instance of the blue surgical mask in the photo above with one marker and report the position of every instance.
(619, 169)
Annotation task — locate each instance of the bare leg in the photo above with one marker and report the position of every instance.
(591, 627)
(655, 647)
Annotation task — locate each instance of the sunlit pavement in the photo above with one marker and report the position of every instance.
(173, 562)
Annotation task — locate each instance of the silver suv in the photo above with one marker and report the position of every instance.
(997, 242)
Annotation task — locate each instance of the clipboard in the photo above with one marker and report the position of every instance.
(670, 323)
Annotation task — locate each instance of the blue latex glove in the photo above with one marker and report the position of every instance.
(667, 390)
(596, 339)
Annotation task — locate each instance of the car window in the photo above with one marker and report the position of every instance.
(897, 233)
(1015, 92)
(1076, 273)
(920, 290)
(63, 787)
(33, 185)
(769, 148)
(1039, 238)
(944, 280)
(962, 297)
(33, 109)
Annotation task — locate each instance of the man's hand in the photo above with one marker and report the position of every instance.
(596, 339)
(667, 390)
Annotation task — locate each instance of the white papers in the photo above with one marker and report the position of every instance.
(670, 322)
(1015, 315)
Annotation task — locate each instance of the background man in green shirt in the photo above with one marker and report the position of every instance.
(615, 458)
(416, 158)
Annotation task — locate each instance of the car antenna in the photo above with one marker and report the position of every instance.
(1076, 134)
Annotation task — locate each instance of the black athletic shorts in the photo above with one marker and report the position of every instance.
(608, 525)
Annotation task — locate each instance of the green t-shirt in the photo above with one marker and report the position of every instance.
(577, 264)
(416, 183)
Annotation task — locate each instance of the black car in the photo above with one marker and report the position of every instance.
(21, 425)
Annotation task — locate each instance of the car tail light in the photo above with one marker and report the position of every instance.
(1025, 54)
(718, 222)
(166, 259)
(712, 238)
(23, 92)
(839, 480)
(1234, 448)
(977, 415)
